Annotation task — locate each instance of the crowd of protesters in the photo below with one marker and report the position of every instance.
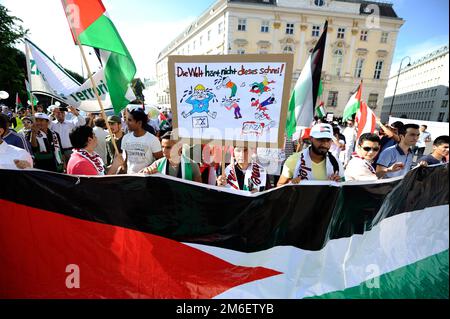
(62, 140)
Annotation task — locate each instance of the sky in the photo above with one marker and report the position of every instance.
(148, 26)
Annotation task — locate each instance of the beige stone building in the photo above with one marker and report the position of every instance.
(421, 89)
(360, 43)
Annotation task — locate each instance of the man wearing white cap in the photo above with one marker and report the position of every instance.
(315, 162)
(46, 145)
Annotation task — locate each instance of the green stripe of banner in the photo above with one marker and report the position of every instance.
(429, 277)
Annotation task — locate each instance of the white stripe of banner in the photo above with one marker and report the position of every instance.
(343, 263)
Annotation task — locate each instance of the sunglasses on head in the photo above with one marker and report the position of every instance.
(368, 149)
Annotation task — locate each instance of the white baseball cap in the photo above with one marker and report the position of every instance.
(42, 116)
(322, 130)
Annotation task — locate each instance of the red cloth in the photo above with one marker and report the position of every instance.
(306, 133)
(78, 165)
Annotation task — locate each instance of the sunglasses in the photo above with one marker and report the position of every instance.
(368, 149)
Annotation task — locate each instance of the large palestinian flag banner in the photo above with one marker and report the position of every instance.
(158, 237)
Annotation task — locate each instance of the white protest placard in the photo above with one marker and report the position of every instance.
(330, 117)
(231, 98)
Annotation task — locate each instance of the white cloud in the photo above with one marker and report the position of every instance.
(417, 51)
(50, 31)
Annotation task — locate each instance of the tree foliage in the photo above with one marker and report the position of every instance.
(12, 62)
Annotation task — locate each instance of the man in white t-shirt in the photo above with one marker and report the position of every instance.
(12, 157)
(139, 146)
(424, 138)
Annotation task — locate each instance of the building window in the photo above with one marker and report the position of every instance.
(220, 28)
(332, 99)
(341, 33)
(242, 24)
(378, 69)
(193, 46)
(241, 51)
(384, 37)
(363, 36)
(289, 28)
(265, 26)
(263, 52)
(201, 41)
(288, 49)
(444, 103)
(441, 117)
(337, 62)
(359, 67)
(373, 100)
(316, 30)
(319, 3)
(209, 35)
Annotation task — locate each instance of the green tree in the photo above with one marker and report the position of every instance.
(76, 76)
(12, 62)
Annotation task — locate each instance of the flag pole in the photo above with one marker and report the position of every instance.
(27, 55)
(113, 140)
(94, 87)
(224, 148)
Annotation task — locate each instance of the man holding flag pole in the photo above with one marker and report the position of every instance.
(88, 20)
(315, 162)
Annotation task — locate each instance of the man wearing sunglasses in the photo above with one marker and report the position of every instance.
(360, 168)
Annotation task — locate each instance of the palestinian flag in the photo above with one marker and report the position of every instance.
(18, 102)
(320, 111)
(32, 100)
(303, 99)
(92, 26)
(353, 104)
(101, 237)
(162, 120)
(366, 120)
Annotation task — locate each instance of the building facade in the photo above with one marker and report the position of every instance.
(360, 42)
(422, 89)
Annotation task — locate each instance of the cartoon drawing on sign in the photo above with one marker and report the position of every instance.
(261, 108)
(227, 83)
(200, 99)
(232, 103)
(261, 87)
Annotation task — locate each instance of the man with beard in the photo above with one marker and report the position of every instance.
(315, 162)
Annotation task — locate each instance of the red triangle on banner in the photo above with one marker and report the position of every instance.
(44, 255)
